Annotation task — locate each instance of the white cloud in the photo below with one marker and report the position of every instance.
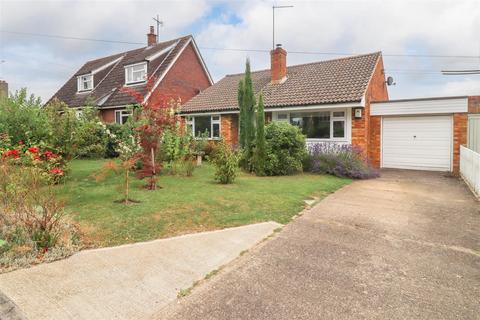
(420, 27)
(393, 26)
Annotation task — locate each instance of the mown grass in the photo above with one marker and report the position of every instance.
(183, 204)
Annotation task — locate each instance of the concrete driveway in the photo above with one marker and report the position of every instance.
(125, 282)
(405, 246)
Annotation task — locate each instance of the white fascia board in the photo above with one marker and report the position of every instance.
(163, 51)
(207, 113)
(419, 106)
(197, 51)
(316, 107)
(166, 71)
(106, 65)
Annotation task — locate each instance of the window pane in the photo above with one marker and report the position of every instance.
(215, 118)
(202, 125)
(313, 124)
(118, 118)
(339, 114)
(282, 117)
(216, 130)
(338, 129)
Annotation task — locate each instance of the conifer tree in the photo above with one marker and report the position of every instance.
(242, 114)
(260, 153)
(248, 104)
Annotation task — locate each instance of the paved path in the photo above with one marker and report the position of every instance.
(405, 246)
(126, 282)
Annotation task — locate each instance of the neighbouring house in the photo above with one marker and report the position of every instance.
(346, 101)
(175, 68)
(329, 100)
(3, 89)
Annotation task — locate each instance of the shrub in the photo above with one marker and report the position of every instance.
(23, 119)
(285, 149)
(340, 160)
(51, 166)
(225, 160)
(90, 137)
(33, 227)
(111, 145)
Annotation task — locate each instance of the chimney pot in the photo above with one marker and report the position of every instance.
(151, 37)
(278, 67)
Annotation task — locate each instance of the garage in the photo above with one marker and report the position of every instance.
(421, 143)
(419, 134)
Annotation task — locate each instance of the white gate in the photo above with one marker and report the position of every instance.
(470, 168)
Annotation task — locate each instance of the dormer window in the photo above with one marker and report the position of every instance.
(85, 82)
(136, 73)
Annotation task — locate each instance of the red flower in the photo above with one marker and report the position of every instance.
(49, 154)
(11, 153)
(56, 171)
(36, 158)
(20, 142)
(33, 150)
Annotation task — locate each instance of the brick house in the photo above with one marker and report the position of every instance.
(344, 101)
(175, 66)
(330, 100)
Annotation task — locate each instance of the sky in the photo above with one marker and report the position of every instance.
(446, 35)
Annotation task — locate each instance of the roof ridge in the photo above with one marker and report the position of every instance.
(311, 63)
(144, 47)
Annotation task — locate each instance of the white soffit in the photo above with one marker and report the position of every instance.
(420, 106)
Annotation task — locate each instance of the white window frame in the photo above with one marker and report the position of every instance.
(346, 119)
(81, 82)
(190, 121)
(121, 113)
(129, 80)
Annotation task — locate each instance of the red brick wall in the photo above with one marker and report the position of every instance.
(474, 104)
(361, 128)
(375, 140)
(184, 80)
(460, 123)
(108, 115)
(229, 128)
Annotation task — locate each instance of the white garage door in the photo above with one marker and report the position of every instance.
(421, 143)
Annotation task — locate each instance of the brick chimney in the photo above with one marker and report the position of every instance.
(278, 67)
(3, 89)
(151, 37)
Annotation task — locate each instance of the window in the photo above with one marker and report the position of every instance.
(282, 116)
(319, 124)
(204, 125)
(121, 116)
(85, 82)
(315, 125)
(136, 73)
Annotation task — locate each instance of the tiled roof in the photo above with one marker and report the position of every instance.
(108, 81)
(325, 82)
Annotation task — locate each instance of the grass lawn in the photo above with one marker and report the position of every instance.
(184, 204)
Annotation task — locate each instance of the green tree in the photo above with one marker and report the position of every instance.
(242, 113)
(260, 153)
(247, 118)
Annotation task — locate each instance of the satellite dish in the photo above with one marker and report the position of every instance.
(390, 81)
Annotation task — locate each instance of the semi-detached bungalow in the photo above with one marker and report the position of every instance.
(343, 101)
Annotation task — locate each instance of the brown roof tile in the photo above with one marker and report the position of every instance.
(325, 82)
(108, 81)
